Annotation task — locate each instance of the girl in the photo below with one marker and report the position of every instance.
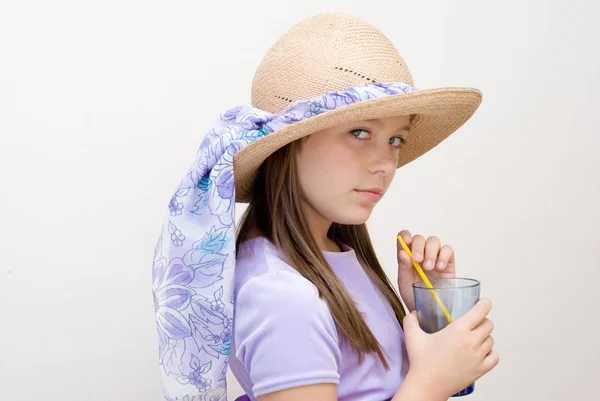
(297, 304)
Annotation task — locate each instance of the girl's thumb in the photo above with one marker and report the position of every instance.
(411, 324)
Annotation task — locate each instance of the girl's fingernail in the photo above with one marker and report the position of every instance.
(441, 264)
(428, 264)
(416, 256)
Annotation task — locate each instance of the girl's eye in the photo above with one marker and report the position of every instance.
(357, 133)
(362, 134)
(396, 141)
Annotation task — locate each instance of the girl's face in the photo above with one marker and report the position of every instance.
(344, 171)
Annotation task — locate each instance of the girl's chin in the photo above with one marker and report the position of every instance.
(354, 216)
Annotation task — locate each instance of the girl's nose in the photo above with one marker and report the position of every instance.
(383, 163)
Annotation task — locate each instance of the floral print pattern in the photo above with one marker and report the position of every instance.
(194, 258)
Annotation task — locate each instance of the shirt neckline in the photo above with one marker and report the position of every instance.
(345, 254)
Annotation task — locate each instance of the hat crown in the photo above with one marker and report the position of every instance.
(327, 52)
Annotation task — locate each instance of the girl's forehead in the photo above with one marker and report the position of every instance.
(390, 120)
(399, 123)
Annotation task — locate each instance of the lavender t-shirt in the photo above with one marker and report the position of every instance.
(284, 335)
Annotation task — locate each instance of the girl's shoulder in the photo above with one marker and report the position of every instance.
(261, 272)
(259, 256)
(259, 261)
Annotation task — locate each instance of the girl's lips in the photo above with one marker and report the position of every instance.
(372, 195)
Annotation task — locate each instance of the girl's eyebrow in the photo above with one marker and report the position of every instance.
(400, 130)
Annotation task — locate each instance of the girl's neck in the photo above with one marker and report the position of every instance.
(328, 245)
(325, 244)
(319, 226)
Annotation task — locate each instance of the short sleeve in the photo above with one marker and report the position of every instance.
(284, 334)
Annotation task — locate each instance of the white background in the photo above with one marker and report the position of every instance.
(103, 105)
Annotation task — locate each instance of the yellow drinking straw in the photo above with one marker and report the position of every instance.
(425, 280)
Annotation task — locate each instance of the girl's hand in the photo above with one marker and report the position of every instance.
(449, 360)
(437, 261)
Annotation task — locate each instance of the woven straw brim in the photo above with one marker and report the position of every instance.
(437, 114)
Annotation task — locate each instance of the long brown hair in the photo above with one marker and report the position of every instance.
(275, 210)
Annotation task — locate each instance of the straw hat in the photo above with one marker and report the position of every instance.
(332, 52)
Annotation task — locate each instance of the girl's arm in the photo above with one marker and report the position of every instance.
(411, 390)
(316, 392)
